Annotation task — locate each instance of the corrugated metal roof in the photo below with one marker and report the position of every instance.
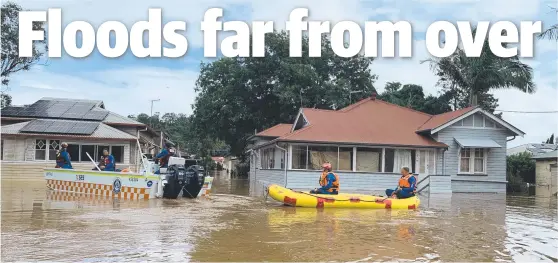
(441, 119)
(277, 130)
(373, 122)
(117, 118)
(477, 143)
(102, 132)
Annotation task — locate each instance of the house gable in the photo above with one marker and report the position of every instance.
(479, 119)
(300, 122)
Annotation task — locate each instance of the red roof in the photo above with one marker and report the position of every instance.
(441, 119)
(369, 121)
(276, 131)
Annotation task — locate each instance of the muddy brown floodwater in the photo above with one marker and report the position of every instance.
(235, 224)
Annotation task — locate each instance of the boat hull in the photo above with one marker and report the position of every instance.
(128, 186)
(342, 200)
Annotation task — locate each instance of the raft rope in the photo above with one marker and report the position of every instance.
(337, 200)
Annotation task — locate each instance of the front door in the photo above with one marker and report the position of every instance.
(426, 163)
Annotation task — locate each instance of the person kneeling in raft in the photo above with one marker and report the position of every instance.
(329, 182)
(406, 186)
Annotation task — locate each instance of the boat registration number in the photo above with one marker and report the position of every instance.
(132, 179)
(80, 177)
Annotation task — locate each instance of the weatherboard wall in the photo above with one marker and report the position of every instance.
(495, 178)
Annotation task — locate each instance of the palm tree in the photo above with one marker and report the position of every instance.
(551, 32)
(478, 75)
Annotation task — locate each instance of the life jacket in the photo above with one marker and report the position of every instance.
(107, 162)
(404, 182)
(163, 161)
(60, 161)
(334, 185)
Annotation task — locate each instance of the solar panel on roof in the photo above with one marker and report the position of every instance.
(37, 126)
(85, 128)
(78, 110)
(10, 111)
(96, 115)
(60, 127)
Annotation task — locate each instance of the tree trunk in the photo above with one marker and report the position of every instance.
(473, 99)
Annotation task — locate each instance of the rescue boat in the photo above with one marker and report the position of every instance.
(170, 183)
(290, 197)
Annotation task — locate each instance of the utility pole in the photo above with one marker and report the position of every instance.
(151, 115)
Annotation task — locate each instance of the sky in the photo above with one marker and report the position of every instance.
(128, 84)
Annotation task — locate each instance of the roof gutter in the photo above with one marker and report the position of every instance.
(352, 144)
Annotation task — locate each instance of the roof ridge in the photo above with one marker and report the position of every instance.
(406, 108)
(355, 105)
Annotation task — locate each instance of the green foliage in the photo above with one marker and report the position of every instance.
(412, 96)
(239, 95)
(550, 140)
(6, 100)
(550, 33)
(470, 79)
(180, 130)
(11, 62)
(520, 168)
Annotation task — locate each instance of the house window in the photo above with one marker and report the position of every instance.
(369, 160)
(472, 161)
(268, 159)
(398, 158)
(73, 151)
(40, 149)
(300, 157)
(345, 159)
(53, 146)
(85, 150)
(318, 155)
(118, 153)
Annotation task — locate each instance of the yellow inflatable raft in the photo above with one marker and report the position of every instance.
(342, 200)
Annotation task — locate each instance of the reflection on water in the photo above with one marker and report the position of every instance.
(236, 224)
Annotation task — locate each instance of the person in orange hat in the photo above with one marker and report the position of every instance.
(328, 180)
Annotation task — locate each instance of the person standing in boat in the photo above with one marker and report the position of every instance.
(164, 156)
(406, 186)
(108, 164)
(63, 159)
(328, 180)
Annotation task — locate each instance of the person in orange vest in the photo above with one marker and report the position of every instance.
(329, 182)
(406, 186)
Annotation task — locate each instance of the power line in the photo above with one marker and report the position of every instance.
(526, 111)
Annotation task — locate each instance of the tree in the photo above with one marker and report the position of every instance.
(6, 100)
(11, 62)
(550, 33)
(474, 77)
(412, 96)
(520, 169)
(550, 140)
(239, 95)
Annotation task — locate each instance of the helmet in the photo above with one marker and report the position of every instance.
(64, 145)
(326, 166)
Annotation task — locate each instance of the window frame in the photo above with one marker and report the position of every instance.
(292, 146)
(80, 144)
(472, 158)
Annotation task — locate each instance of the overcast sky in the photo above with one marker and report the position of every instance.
(127, 84)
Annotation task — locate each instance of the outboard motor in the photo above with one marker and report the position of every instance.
(176, 179)
(194, 180)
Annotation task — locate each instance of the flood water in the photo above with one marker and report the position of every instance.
(236, 224)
